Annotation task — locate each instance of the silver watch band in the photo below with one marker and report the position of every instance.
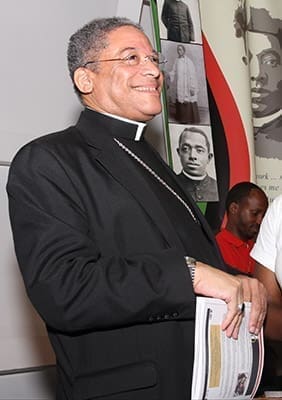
(191, 264)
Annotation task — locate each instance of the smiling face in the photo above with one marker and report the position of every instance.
(194, 153)
(266, 74)
(115, 87)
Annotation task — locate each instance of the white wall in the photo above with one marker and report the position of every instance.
(37, 97)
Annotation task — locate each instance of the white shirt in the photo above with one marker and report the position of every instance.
(268, 247)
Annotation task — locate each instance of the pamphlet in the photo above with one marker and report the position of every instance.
(224, 368)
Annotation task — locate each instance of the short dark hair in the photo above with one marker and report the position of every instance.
(240, 191)
(196, 130)
(260, 22)
(182, 46)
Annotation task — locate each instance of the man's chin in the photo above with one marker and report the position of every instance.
(193, 176)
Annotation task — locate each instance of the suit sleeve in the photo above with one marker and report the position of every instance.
(73, 286)
(165, 14)
(190, 25)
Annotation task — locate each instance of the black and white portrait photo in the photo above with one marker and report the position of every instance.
(193, 160)
(179, 20)
(185, 83)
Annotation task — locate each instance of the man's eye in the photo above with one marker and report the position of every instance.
(271, 61)
(132, 58)
(155, 59)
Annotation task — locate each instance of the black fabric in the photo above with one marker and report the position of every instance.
(103, 263)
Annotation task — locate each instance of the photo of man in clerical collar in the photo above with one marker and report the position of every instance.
(195, 154)
(264, 55)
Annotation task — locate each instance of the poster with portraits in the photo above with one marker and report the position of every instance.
(264, 44)
(238, 91)
(245, 72)
(187, 106)
(244, 76)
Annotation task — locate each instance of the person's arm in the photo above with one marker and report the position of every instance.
(273, 324)
(165, 14)
(73, 284)
(211, 282)
(75, 272)
(190, 25)
(193, 80)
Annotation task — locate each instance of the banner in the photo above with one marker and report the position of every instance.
(243, 65)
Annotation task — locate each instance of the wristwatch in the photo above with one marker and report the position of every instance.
(191, 264)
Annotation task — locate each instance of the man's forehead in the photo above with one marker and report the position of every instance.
(128, 36)
(261, 41)
(194, 137)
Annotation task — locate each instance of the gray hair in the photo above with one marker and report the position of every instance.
(87, 43)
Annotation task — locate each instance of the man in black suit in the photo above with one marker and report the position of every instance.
(177, 19)
(195, 154)
(102, 232)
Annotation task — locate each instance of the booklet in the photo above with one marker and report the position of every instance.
(224, 368)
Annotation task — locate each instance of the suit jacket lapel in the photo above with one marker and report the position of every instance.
(112, 157)
(139, 189)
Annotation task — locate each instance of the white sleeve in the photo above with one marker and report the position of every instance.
(265, 248)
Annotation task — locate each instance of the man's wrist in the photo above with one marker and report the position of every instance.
(191, 264)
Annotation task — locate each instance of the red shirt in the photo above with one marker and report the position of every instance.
(235, 251)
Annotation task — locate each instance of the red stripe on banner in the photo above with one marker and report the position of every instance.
(239, 157)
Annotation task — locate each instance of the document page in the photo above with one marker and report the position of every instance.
(224, 368)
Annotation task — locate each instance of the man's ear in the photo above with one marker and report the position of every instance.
(178, 151)
(210, 156)
(83, 81)
(233, 208)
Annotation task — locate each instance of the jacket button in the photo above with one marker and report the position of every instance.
(175, 314)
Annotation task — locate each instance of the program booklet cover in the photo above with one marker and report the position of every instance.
(224, 368)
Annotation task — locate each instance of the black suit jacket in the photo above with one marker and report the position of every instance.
(103, 266)
(203, 190)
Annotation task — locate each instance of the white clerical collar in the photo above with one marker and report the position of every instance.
(140, 125)
(258, 122)
(194, 178)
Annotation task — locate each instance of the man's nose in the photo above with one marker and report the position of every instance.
(192, 154)
(150, 67)
(260, 79)
(259, 219)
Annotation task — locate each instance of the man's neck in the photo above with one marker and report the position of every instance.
(193, 177)
(141, 125)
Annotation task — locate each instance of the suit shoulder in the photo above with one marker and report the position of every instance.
(50, 142)
(54, 138)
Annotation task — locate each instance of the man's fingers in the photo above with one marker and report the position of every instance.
(255, 292)
(234, 317)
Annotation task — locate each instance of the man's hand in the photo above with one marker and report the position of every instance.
(215, 283)
(255, 292)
